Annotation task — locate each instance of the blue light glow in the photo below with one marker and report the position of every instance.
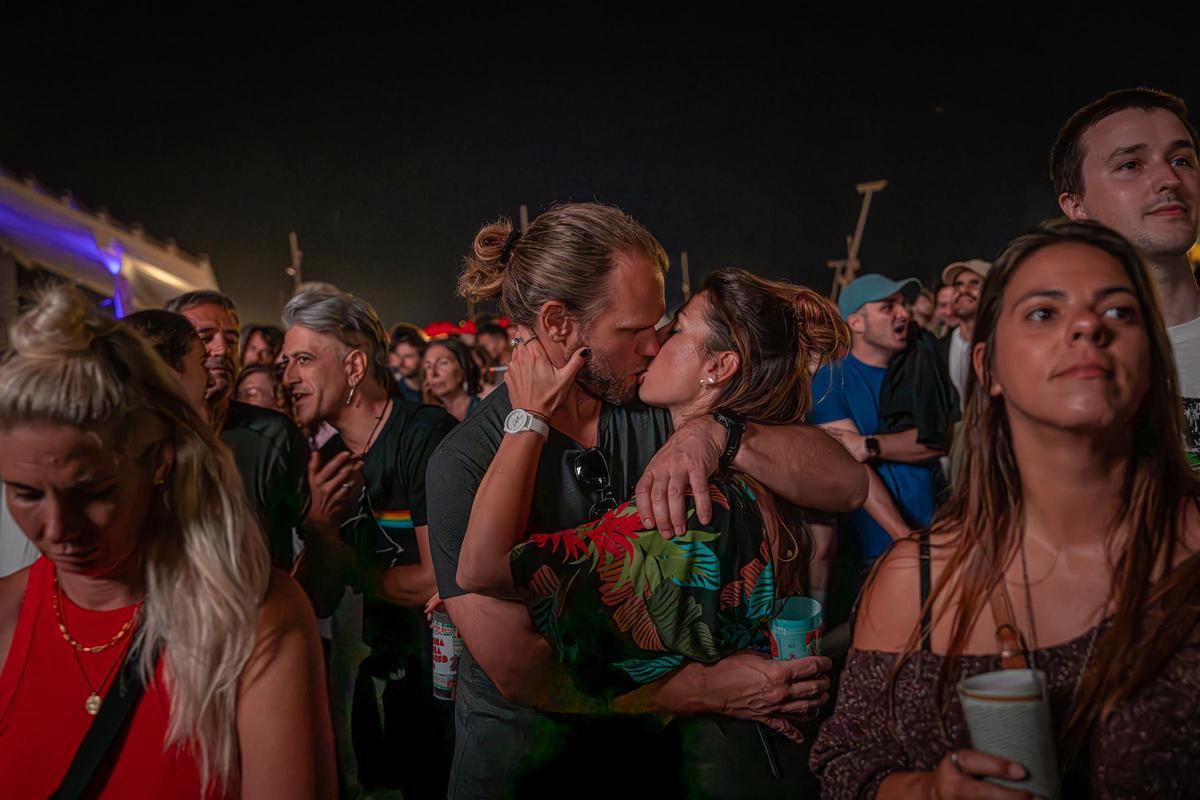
(77, 241)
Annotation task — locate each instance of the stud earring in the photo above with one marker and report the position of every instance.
(709, 381)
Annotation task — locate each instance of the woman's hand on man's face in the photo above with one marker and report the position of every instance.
(534, 383)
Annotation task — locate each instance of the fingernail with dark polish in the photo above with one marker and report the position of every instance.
(587, 352)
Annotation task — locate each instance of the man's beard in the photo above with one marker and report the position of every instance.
(598, 379)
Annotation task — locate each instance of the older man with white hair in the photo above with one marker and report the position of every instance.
(335, 367)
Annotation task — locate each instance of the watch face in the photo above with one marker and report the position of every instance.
(516, 421)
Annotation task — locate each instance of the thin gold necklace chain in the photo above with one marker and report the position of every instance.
(94, 690)
(61, 617)
(1087, 658)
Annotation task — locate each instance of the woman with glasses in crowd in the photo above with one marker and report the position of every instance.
(152, 566)
(1075, 523)
(452, 377)
(621, 604)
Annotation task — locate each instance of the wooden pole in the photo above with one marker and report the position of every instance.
(846, 270)
(687, 281)
(297, 256)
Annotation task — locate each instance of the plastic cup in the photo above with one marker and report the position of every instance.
(795, 632)
(1008, 717)
(447, 650)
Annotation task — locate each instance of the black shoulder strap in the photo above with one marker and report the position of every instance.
(926, 588)
(106, 728)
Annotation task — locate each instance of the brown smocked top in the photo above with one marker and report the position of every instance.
(1148, 747)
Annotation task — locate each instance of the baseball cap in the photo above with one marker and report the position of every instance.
(872, 287)
(976, 265)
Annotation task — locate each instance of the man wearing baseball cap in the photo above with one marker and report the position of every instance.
(966, 278)
(847, 406)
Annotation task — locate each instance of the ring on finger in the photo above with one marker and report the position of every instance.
(516, 340)
(954, 760)
(347, 485)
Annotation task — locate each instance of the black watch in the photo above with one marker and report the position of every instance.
(872, 445)
(735, 426)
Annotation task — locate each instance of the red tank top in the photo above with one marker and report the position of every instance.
(42, 714)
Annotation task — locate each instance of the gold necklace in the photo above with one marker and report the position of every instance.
(100, 648)
(93, 702)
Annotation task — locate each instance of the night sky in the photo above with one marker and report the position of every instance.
(386, 141)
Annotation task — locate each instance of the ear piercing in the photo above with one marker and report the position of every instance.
(709, 381)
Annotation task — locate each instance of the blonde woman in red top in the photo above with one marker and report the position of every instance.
(147, 543)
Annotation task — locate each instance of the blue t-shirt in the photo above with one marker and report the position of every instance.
(849, 389)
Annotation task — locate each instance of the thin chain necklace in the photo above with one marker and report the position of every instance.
(1087, 659)
(93, 702)
(371, 435)
(81, 648)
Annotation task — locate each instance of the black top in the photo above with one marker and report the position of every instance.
(272, 456)
(628, 436)
(392, 506)
(917, 391)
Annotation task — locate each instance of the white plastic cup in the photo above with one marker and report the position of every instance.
(795, 632)
(1008, 717)
(447, 650)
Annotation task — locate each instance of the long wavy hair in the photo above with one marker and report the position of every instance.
(205, 562)
(984, 517)
(779, 331)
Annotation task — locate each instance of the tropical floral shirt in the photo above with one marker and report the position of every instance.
(623, 606)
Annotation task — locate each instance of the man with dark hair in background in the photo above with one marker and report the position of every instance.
(406, 350)
(175, 340)
(1128, 161)
(270, 451)
(495, 341)
(944, 315)
(261, 344)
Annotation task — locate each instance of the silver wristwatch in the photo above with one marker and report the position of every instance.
(519, 420)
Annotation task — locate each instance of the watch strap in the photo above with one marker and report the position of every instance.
(530, 421)
(735, 426)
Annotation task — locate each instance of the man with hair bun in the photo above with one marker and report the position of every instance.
(587, 281)
(335, 367)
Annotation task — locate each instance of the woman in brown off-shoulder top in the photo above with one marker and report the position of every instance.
(1075, 499)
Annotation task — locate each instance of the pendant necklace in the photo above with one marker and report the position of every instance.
(93, 702)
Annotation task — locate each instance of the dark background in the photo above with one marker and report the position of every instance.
(385, 141)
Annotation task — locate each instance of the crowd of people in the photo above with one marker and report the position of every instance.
(205, 521)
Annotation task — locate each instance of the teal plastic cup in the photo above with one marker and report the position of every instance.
(796, 630)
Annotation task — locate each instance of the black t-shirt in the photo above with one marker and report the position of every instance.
(272, 456)
(393, 504)
(628, 436)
